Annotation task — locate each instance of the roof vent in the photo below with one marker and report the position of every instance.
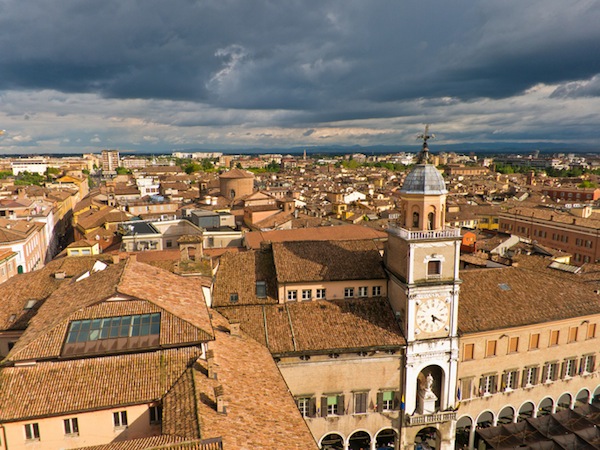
(60, 275)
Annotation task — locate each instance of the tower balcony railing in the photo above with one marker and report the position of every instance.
(410, 235)
(423, 419)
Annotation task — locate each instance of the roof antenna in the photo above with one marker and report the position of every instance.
(423, 157)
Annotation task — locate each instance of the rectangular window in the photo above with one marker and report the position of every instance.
(120, 419)
(261, 289)
(591, 331)
(292, 296)
(305, 406)
(71, 426)
(588, 363)
(434, 268)
(534, 341)
(573, 334)
(490, 349)
(363, 291)
(510, 380)
(550, 372)
(488, 384)
(306, 294)
(387, 400)
(468, 352)
(530, 375)
(513, 345)
(348, 292)
(113, 327)
(155, 414)
(32, 432)
(554, 337)
(376, 291)
(331, 405)
(233, 297)
(569, 368)
(360, 402)
(320, 294)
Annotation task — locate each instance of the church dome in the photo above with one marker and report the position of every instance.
(424, 179)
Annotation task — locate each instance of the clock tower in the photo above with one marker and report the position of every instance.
(422, 260)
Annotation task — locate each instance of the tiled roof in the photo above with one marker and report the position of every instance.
(236, 173)
(38, 285)
(180, 414)
(320, 325)
(327, 261)
(342, 232)
(238, 274)
(261, 413)
(149, 443)
(91, 383)
(188, 320)
(492, 299)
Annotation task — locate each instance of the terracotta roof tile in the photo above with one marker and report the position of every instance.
(320, 325)
(91, 383)
(327, 261)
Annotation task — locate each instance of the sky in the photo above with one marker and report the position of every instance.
(161, 76)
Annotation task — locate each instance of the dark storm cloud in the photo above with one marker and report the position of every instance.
(329, 61)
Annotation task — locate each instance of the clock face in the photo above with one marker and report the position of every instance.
(432, 315)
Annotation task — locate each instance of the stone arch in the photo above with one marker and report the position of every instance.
(386, 437)
(545, 407)
(427, 436)
(526, 411)
(332, 441)
(583, 397)
(506, 415)
(565, 401)
(464, 428)
(416, 217)
(485, 419)
(430, 385)
(596, 397)
(359, 439)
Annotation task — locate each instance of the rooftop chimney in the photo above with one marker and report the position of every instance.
(220, 397)
(234, 328)
(210, 363)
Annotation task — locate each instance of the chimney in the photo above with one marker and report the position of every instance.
(115, 259)
(220, 397)
(60, 275)
(234, 328)
(133, 257)
(210, 362)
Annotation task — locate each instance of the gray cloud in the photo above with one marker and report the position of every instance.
(204, 66)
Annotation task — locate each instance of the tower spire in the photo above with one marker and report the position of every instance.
(423, 157)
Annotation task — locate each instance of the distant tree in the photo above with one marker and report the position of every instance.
(123, 171)
(586, 184)
(28, 178)
(238, 166)
(192, 167)
(5, 174)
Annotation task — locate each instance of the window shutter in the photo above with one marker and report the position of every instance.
(481, 385)
(312, 407)
(593, 363)
(323, 406)
(504, 381)
(340, 405)
(396, 402)
(545, 373)
(563, 369)
(379, 401)
(494, 387)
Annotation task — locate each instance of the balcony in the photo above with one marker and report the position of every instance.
(424, 235)
(430, 418)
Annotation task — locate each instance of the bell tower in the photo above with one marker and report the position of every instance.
(422, 260)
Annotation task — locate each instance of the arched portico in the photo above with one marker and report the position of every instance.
(507, 415)
(359, 440)
(545, 407)
(583, 397)
(465, 433)
(565, 401)
(486, 419)
(526, 411)
(386, 438)
(427, 438)
(332, 441)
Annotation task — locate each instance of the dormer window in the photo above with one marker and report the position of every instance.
(261, 289)
(112, 334)
(29, 304)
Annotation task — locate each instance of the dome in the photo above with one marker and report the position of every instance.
(424, 179)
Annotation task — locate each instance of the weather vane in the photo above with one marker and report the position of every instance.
(424, 153)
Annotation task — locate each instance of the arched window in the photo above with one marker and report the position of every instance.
(415, 220)
(430, 221)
